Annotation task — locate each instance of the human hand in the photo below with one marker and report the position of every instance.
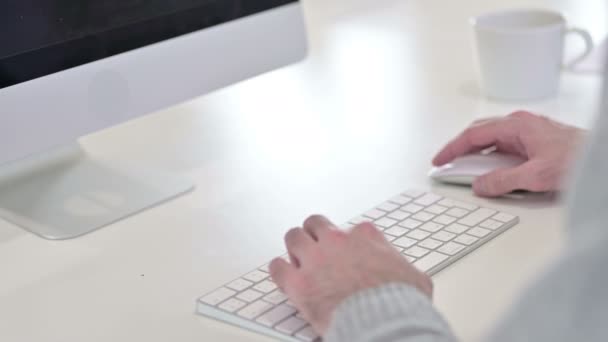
(328, 266)
(548, 146)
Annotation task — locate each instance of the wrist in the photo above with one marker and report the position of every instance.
(370, 312)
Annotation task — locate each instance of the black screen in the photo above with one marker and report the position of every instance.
(41, 37)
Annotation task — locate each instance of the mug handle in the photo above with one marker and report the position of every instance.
(588, 46)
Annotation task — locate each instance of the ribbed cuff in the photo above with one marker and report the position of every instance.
(393, 312)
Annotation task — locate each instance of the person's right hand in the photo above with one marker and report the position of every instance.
(549, 148)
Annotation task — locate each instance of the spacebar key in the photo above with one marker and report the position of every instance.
(430, 260)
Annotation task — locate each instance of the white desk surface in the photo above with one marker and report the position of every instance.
(386, 84)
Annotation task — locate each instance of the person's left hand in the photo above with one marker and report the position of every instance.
(328, 265)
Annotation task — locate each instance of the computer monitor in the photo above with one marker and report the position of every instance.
(72, 67)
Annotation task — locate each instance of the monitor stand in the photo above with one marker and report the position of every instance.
(65, 193)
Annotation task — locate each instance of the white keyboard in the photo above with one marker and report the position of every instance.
(430, 231)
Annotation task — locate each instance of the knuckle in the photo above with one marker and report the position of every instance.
(469, 132)
(274, 265)
(503, 179)
(493, 183)
(367, 228)
(543, 178)
(298, 281)
(521, 114)
(313, 219)
(540, 183)
(291, 237)
(317, 257)
(337, 236)
(319, 221)
(291, 233)
(275, 271)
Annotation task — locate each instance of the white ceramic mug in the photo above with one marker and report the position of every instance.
(521, 52)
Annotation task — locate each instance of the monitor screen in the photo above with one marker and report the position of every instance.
(42, 37)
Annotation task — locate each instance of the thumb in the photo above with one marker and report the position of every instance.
(502, 181)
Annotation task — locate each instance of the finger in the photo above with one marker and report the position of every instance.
(484, 120)
(504, 181)
(280, 271)
(318, 226)
(367, 230)
(474, 139)
(298, 244)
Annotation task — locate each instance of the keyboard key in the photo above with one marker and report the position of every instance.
(423, 216)
(432, 227)
(389, 238)
(388, 206)
(291, 325)
(276, 297)
(479, 232)
(457, 212)
(256, 276)
(413, 193)
(410, 223)
(444, 236)
(430, 243)
(477, 217)
(397, 231)
(428, 199)
(249, 295)
(416, 251)
(451, 248)
(466, 239)
(502, 217)
(491, 224)
(401, 200)
(232, 304)
(430, 261)
(358, 220)
(409, 258)
(385, 222)
(374, 214)
(426, 229)
(239, 284)
(446, 202)
(404, 242)
(276, 315)
(266, 286)
(412, 208)
(436, 209)
(218, 296)
(418, 234)
(307, 334)
(457, 204)
(463, 205)
(399, 215)
(444, 219)
(456, 228)
(255, 309)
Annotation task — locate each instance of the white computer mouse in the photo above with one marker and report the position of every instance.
(465, 169)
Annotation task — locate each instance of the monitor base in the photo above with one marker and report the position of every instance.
(65, 194)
